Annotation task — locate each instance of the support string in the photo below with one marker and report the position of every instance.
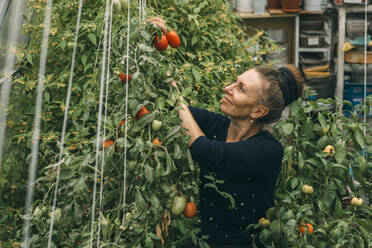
(65, 122)
(126, 126)
(98, 141)
(104, 126)
(36, 133)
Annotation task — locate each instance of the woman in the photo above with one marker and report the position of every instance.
(235, 148)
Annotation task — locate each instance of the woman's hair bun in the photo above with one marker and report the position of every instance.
(291, 83)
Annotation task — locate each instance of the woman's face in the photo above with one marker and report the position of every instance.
(240, 97)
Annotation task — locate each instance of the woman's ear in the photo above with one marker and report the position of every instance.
(259, 111)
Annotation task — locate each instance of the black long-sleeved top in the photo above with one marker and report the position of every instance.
(249, 168)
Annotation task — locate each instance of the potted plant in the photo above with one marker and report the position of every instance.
(274, 4)
(290, 5)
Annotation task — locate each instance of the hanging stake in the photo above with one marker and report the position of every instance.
(36, 133)
(98, 141)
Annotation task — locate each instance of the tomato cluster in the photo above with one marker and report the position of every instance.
(170, 38)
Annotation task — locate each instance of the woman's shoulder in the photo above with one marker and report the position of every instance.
(266, 141)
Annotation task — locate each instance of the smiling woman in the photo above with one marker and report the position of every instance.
(235, 148)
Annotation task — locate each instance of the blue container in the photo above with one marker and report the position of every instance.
(354, 93)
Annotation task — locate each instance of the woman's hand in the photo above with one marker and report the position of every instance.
(159, 23)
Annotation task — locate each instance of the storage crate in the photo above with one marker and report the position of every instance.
(355, 94)
(355, 28)
(307, 40)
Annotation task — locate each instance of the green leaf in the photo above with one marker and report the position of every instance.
(46, 96)
(359, 137)
(142, 122)
(92, 37)
(194, 40)
(276, 230)
(154, 201)
(29, 58)
(340, 152)
(145, 48)
(148, 242)
(78, 214)
(84, 59)
(288, 128)
(196, 74)
(189, 158)
(148, 173)
(322, 121)
(173, 131)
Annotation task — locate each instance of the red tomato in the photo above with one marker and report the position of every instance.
(190, 210)
(123, 77)
(173, 39)
(122, 123)
(162, 44)
(306, 226)
(108, 143)
(143, 111)
(157, 142)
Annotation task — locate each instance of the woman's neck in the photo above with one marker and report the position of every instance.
(241, 130)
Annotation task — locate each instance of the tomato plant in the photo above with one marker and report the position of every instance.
(214, 51)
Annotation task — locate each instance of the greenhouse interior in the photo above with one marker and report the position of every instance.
(186, 123)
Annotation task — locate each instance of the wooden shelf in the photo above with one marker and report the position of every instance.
(267, 14)
(358, 57)
(354, 7)
(275, 13)
(314, 49)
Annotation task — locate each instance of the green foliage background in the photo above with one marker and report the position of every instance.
(213, 52)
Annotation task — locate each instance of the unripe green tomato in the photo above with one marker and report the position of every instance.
(124, 4)
(186, 66)
(131, 165)
(178, 205)
(70, 44)
(156, 125)
(37, 211)
(117, 6)
(57, 215)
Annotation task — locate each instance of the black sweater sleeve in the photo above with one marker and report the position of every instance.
(206, 119)
(251, 156)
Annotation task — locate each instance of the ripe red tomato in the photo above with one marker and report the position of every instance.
(162, 44)
(306, 226)
(157, 142)
(123, 77)
(143, 111)
(122, 123)
(108, 143)
(173, 39)
(190, 210)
